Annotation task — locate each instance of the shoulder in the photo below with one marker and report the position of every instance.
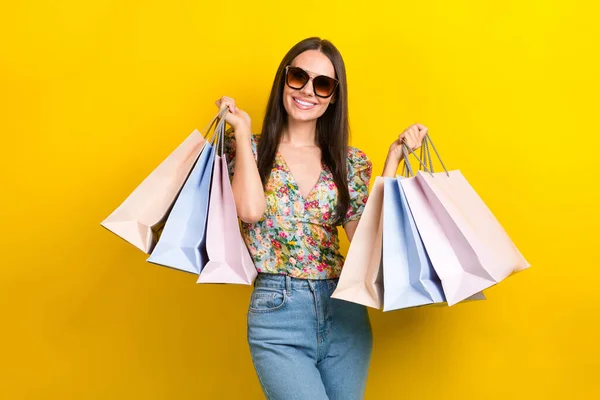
(358, 159)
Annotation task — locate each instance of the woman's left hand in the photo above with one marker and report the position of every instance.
(413, 136)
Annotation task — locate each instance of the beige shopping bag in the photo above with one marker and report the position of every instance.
(141, 217)
(361, 280)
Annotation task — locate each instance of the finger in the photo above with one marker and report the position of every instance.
(230, 104)
(419, 139)
(412, 135)
(414, 142)
(227, 102)
(222, 105)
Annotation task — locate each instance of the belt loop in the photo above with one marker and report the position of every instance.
(288, 285)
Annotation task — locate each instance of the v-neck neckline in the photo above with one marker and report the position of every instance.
(293, 180)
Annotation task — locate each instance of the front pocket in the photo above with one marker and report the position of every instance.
(267, 299)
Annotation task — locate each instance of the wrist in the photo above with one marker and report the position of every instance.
(242, 131)
(393, 158)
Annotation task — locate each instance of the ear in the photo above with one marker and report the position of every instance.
(333, 99)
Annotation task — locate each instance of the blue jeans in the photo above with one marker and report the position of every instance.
(304, 344)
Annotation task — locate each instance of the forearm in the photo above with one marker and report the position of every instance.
(391, 166)
(246, 184)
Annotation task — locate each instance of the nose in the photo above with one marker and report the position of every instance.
(308, 90)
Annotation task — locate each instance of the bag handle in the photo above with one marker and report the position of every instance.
(210, 125)
(220, 132)
(407, 170)
(217, 136)
(425, 154)
(428, 142)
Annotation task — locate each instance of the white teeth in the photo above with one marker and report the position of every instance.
(304, 103)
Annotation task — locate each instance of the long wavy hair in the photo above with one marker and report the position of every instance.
(332, 127)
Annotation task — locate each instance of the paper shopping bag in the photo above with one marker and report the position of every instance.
(141, 217)
(409, 279)
(453, 250)
(360, 280)
(476, 235)
(229, 259)
(182, 244)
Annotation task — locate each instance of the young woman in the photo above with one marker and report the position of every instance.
(294, 184)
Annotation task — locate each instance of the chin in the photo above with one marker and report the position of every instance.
(302, 116)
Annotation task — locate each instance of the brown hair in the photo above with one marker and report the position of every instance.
(332, 126)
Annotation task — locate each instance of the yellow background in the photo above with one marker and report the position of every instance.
(95, 95)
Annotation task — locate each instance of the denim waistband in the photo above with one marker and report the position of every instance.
(290, 284)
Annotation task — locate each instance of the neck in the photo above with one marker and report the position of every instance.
(300, 133)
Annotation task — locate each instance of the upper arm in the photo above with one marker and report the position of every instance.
(359, 177)
(350, 228)
(229, 150)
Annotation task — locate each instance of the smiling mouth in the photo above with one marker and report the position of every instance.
(303, 104)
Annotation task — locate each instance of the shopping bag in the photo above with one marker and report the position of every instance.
(409, 279)
(182, 244)
(485, 241)
(361, 280)
(141, 217)
(468, 248)
(229, 259)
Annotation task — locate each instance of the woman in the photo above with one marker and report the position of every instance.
(293, 185)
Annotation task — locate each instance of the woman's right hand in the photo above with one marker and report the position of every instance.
(238, 119)
(247, 187)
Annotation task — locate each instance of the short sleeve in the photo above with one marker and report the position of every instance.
(229, 147)
(359, 176)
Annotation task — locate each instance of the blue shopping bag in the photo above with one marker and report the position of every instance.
(182, 243)
(409, 279)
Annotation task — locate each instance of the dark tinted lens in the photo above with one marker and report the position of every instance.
(324, 86)
(296, 78)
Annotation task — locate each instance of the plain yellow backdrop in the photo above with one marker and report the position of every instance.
(95, 94)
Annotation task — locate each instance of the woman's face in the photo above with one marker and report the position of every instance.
(302, 104)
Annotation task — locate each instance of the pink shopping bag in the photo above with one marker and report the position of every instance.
(482, 240)
(229, 259)
(469, 249)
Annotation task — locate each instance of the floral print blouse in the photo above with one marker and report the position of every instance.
(297, 236)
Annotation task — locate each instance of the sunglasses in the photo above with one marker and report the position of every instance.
(297, 78)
